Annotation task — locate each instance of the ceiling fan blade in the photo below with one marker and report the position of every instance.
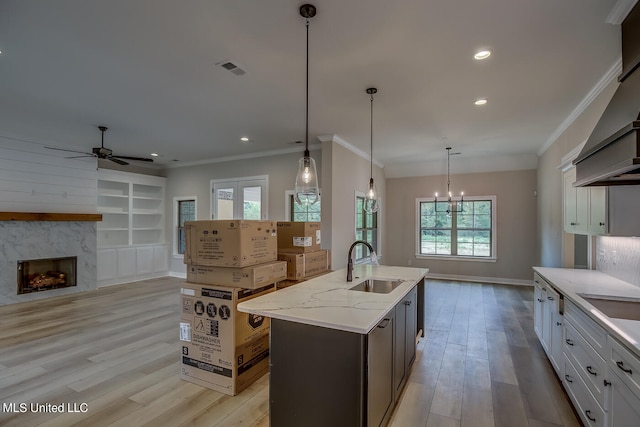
(118, 161)
(80, 157)
(70, 151)
(140, 159)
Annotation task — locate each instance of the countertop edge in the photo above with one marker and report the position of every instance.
(401, 290)
(613, 327)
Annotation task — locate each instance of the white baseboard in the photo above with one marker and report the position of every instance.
(478, 279)
(178, 274)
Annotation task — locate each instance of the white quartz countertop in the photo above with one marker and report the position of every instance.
(572, 282)
(326, 301)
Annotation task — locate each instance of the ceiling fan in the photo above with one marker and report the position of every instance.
(104, 153)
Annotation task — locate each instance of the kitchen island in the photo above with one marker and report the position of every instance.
(341, 356)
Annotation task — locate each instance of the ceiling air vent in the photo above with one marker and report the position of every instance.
(230, 66)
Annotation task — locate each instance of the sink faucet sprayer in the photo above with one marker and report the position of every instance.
(374, 258)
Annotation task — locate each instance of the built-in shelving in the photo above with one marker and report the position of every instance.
(131, 238)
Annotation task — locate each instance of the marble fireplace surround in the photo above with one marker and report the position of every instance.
(25, 236)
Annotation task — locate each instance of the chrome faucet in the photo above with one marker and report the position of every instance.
(350, 261)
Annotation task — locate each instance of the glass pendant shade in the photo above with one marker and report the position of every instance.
(306, 190)
(371, 199)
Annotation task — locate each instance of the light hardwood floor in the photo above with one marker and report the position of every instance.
(117, 350)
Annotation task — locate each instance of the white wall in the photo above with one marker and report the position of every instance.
(36, 179)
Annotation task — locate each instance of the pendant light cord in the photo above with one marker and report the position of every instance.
(306, 124)
(371, 133)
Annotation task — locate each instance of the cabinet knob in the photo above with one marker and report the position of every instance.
(606, 383)
(574, 223)
(407, 303)
(558, 323)
(602, 224)
(540, 300)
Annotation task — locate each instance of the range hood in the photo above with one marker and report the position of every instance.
(611, 155)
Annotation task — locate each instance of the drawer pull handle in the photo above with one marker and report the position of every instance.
(621, 366)
(540, 300)
(588, 414)
(384, 323)
(407, 303)
(568, 378)
(568, 341)
(606, 383)
(591, 371)
(550, 298)
(544, 289)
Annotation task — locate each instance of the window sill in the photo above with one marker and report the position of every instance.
(366, 260)
(457, 258)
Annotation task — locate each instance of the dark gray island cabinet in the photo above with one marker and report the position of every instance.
(341, 357)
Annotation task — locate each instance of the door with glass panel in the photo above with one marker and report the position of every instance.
(239, 199)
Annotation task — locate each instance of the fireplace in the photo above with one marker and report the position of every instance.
(38, 275)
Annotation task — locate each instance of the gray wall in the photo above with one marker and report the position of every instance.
(555, 248)
(195, 181)
(349, 172)
(516, 223)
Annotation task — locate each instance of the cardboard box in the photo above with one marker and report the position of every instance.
(302, 266)
(230, 243)
(252, 277)
(222, 349)
(298, 237)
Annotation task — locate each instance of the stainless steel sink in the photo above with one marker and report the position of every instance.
(615, 307)
(377, 286)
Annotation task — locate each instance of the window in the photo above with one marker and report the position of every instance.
(185, 211)
(302, 212)
(239, 198)
(366, 229)
(469, 233)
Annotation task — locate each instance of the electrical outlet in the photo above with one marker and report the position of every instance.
(602, 256)
(614, 257)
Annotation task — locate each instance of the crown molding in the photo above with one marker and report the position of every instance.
(620, 11)
(567, 160)
(312, 147)
(338, 140)
(612, 73)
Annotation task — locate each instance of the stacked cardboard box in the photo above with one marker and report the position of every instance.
(299, 246)
(228, 261)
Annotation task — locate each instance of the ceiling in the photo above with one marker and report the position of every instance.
(148, 70)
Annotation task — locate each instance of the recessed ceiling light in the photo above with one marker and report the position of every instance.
(482, 54)
(154, 154)
(480, 101)
(244, 139)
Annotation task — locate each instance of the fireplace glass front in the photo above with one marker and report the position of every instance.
(45, 274)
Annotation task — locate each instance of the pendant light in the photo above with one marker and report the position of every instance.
(306, 190)
(371, 198)
(449, 204)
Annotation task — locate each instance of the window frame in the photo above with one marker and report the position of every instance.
(288, 205)
(176, 215)
(494, 232)
(238, 184)
(377, 247)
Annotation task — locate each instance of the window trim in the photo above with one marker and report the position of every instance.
(378, 229)
(174, 249)
(288, 194)
(494, 232)
(240, 182)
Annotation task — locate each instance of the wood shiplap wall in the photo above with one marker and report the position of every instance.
(34, 178)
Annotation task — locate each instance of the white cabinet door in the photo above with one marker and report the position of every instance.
(126, 262)
(624, 406)
(597, 210)
(160, 258)
(107, 264)
(144, 260)
(538, 301)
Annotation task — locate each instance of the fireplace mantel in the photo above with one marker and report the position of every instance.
(44, 216)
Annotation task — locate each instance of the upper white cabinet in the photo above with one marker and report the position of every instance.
(131, 237)
(585, 208)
